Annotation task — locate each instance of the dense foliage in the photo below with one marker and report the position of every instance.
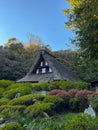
(32, 109)
(16, 58)
(83, 19)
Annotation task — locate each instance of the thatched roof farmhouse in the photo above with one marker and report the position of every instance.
(47, 68)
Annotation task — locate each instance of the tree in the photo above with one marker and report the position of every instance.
(83, 18)
(83, 15)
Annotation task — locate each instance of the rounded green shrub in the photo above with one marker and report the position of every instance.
(53, 99)
(23, 90)
(12, 126)
(8, 108)
(56, 100)
(5, 83)
(82, 122)
(19, 85)
(39, 109)
(43, 86)
(66, 85)
(3, 101)
(11, 113)
(81, 85)
(26, 99)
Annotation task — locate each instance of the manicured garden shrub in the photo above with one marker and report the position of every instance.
(53, 99)
(81, 85)
(62, 94)
(26, 100)
(5, 83)
(3, 101)
(82, 122)
(41, 86)
(19, 85)
(74, 100)
(12, 126)
(8, 108)
(66, 85)
(38, 109)
(11, 93)
(56, 100)
(10, 113)
(54, 85)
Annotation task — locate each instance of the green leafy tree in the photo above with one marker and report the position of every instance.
(83, 19)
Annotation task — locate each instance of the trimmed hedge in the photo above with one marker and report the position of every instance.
(64, 85)
(12, 126)
(39, 109)
(7, 108)
(5, 83)
(3, 101)
(23, 90)
(11, 113)
(57, 101)
(26, 100)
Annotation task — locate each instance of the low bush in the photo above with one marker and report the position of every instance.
(82, 122)
(53, 99)
(8, 108)
(26, 100)
(11, 93)
(66, 85)
(55, 85)
(3, 101)
(56, 100)
(62, 94)
(19, 85)
(39, 109)
(10, 113)
(12, 126)
(5, 83)
(81, 85)
(41, 86)
(74, 100)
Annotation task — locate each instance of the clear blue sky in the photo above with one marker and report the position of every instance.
(43, 18)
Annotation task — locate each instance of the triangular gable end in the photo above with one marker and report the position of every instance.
(47, 68)
(41, 67)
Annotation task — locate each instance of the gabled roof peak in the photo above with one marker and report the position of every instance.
(47, 68)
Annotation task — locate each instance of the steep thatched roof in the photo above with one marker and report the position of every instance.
(47, 68)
